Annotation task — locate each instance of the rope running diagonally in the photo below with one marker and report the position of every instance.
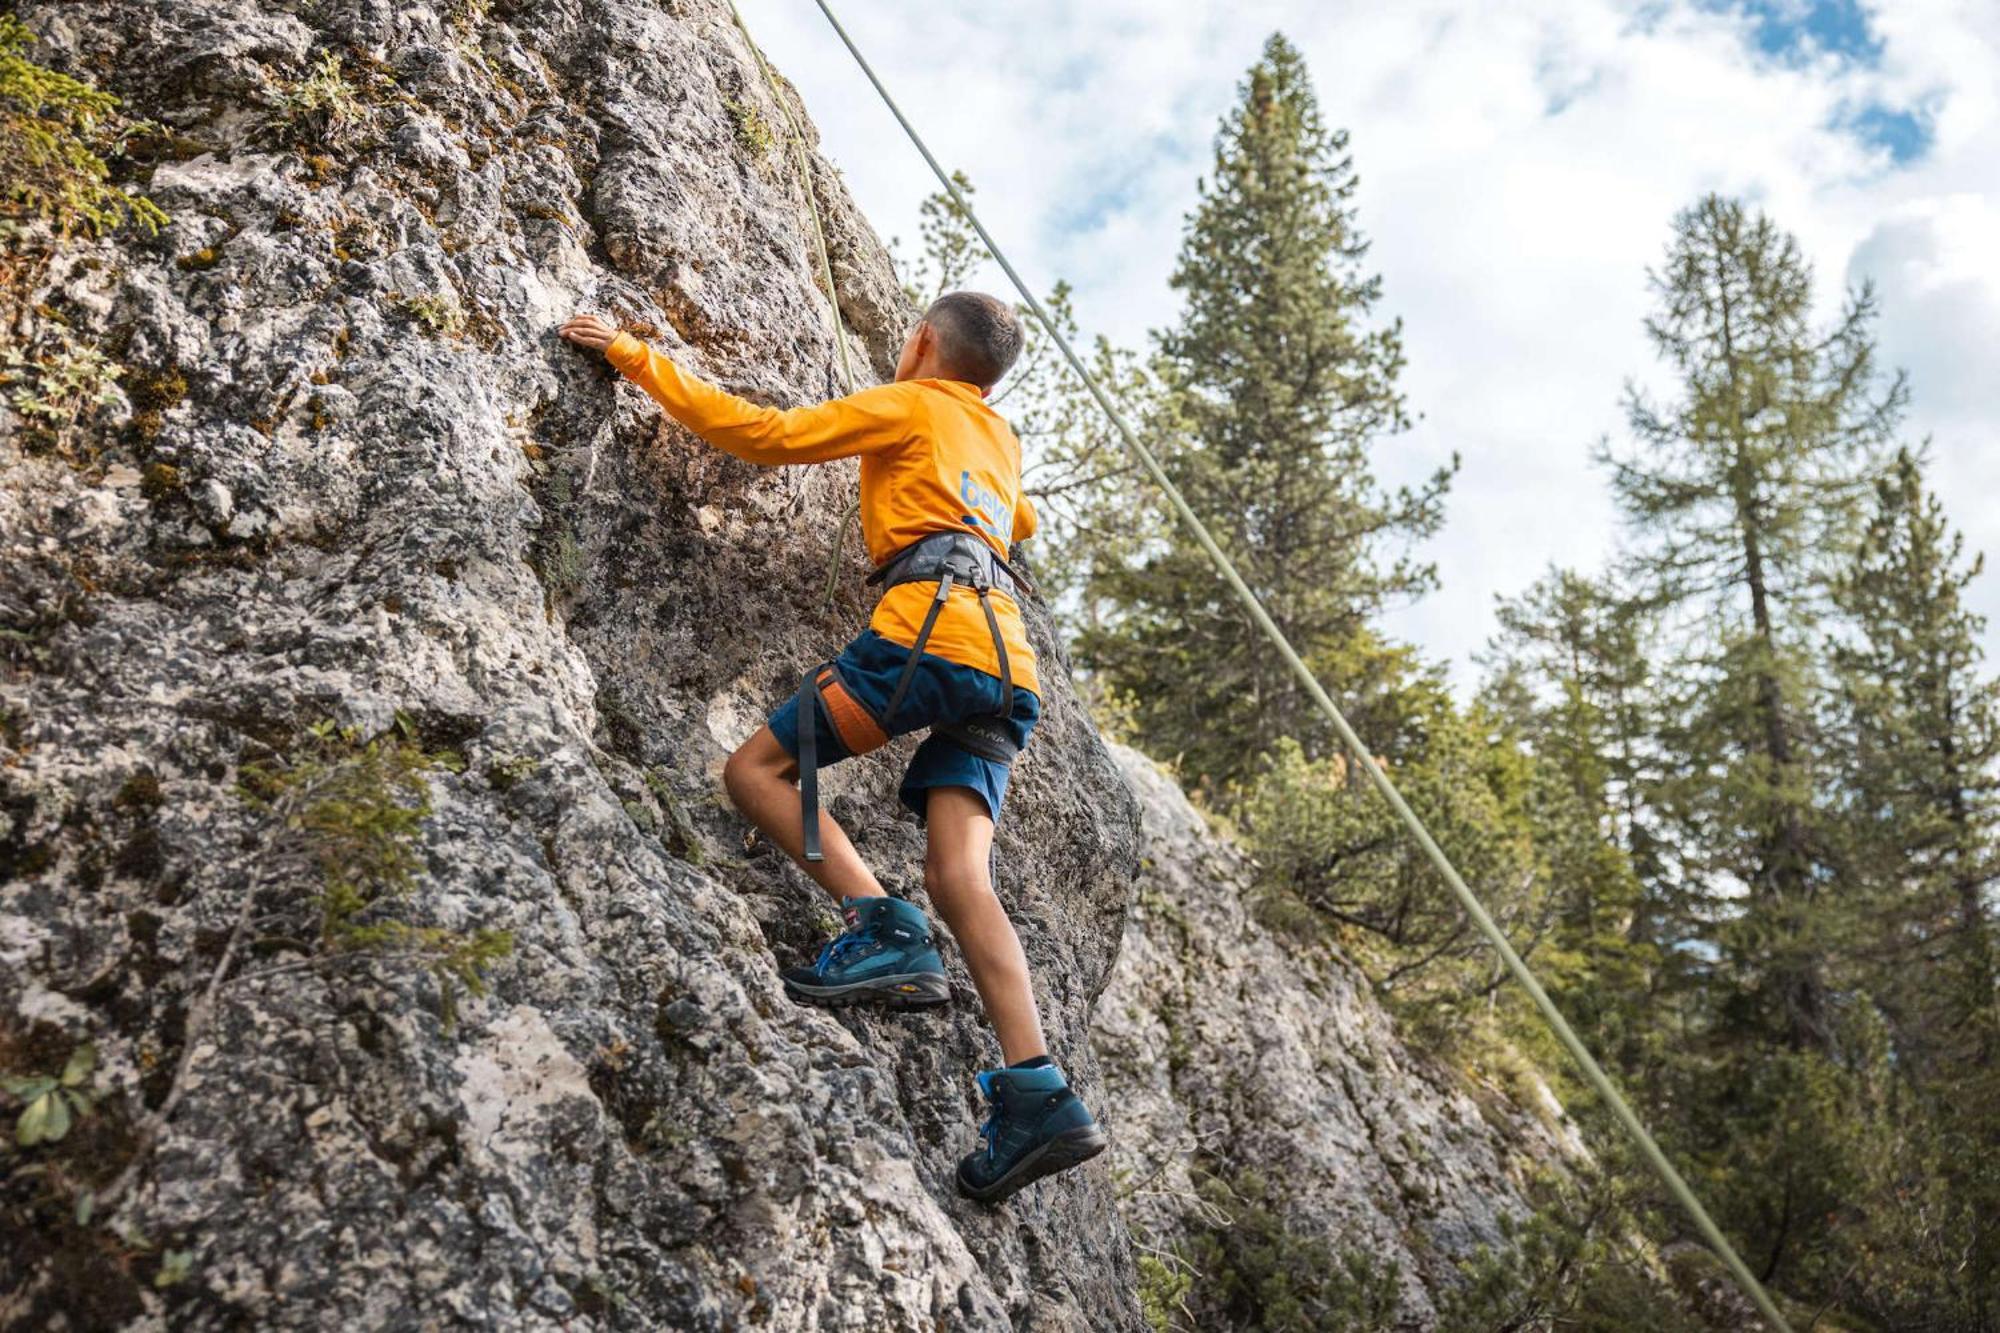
(1592, 1072)
(804, 166)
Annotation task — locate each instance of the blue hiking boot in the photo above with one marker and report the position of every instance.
(1038, 1127)
(884, 957)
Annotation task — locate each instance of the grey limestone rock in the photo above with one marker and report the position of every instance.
(1232, 1052)
(376, 486)
(345, 472)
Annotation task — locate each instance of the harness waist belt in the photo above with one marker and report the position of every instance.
(970, 561)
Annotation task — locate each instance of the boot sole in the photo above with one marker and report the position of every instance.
(1072, 1147)
(913, 990)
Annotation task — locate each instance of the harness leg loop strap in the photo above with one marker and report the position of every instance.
(999, 647)
(917, 650)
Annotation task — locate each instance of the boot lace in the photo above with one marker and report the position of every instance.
(990, 1132)
(838, 947)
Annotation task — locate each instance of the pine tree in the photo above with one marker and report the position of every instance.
(1277, 387)
(1569, 668)
(1920, 731)
(1738, 492)
(1570, 674)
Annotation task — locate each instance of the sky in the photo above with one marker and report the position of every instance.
(1520, 167)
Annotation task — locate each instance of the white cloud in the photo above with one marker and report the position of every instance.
(1520, 166)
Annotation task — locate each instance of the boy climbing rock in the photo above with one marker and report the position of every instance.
(945, 649)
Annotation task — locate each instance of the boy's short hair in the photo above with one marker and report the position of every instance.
(978, 335)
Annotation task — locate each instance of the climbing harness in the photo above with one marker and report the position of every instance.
(950, 559)
(1592, 1071)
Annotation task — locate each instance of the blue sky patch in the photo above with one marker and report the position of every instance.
(1906, 134)
(1796, 31)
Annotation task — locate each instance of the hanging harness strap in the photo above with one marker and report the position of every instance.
(809, 765)
(952, 559)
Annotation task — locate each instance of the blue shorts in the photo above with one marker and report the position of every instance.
(942, 691)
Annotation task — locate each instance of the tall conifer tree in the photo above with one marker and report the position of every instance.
(1920, 730)
(1921, 733)
(1279, 384)
(1741, 488)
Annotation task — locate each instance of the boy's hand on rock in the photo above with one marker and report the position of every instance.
(589, 331)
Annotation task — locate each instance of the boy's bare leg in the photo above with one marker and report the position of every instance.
(763, 781)
(955, 874)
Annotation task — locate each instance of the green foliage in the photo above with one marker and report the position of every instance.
(1774, 714)
(439, 316)
(51, 1103)
(556, 556)
(350, 813)
(1164, 1284)
(175, 1267)
(506, 774)
(62, 388)
(753, 132)
(1510, 821)
(324, 107)
(55, 133)
(1742, 491)
(1573, 1263)
(1919, 737)
(1247, 1267)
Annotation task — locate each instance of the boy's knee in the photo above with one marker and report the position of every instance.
(953, 876)
(739, 772)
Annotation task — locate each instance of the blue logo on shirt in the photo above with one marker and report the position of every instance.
(989, 511)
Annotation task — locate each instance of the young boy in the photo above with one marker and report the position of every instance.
(945, 649)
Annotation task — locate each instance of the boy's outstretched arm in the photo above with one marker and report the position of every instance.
(877, 418)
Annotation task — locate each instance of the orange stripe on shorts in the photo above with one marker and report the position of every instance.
(857, 730)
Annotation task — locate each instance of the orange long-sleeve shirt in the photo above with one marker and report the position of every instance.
(934, 458)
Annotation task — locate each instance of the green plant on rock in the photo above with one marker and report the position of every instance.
(1258, 1271)
(52, 1102)
(55, 132)
(1164, 1284)
(1578, 1261)
(506, 774)
(59, 390)
(349, 813)
(175, 1266)
(753, 132)
(324, 106)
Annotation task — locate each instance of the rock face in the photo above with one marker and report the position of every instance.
(1267, 1070)
(381, 485)
(344, 474)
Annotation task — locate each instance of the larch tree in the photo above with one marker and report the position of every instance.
(1743, 490)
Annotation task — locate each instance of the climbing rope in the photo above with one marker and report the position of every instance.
(1592, 1072)
(804, 166)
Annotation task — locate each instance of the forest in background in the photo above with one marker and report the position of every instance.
(1731, 795)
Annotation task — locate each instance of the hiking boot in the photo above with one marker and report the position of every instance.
(884, 957)
(1038, 1127)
